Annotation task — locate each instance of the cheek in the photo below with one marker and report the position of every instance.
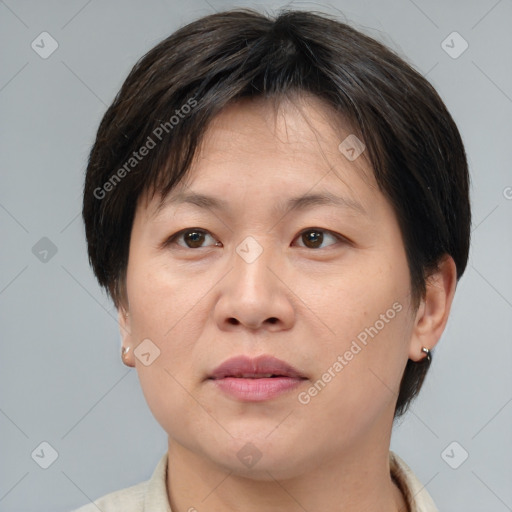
(159, 298)
(169, 402)
(162, 305)
(166, 308)
(364, 320)
(358, 379)
(355, 298)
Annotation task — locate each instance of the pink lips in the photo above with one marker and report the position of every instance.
(256, 379)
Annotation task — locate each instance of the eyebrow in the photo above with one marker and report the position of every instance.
(302, 202)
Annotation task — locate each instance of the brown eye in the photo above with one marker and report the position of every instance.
(313, 237)
(193, 238)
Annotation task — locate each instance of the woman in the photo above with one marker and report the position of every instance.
(279, 209)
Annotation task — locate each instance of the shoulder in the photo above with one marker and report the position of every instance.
(150, 495)
(416, 494)
(130, 499)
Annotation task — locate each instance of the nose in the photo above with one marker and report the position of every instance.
(255, 294)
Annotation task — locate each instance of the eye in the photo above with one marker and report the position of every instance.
(193, 237)
(313, 237)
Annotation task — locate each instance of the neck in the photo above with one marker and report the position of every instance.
(358, 480)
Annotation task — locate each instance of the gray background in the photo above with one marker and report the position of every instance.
(61, 376)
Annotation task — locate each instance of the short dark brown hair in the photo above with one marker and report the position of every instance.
(176, 89)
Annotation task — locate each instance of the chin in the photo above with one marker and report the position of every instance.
(259, 458)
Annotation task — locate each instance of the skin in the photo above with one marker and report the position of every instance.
(302, 302)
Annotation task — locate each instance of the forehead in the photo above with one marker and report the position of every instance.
(301, 126)
(295, 142)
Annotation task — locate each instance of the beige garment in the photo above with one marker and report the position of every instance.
(151, 495)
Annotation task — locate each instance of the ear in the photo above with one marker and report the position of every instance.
(433, 312)
(126, 336)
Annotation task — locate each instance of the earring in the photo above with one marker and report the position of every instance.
(124, 352)
(428, 358)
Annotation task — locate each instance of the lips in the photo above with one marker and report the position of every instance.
(255, 368)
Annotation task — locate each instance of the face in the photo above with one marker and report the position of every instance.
(323, 286)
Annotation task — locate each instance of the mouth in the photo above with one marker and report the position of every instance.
(262, 367)
(254, 376)
(255, 380)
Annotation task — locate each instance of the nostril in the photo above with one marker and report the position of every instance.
(234, 321)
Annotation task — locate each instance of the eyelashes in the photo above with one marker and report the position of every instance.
(311, 237)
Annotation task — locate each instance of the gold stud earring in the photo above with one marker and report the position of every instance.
(124, 352)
